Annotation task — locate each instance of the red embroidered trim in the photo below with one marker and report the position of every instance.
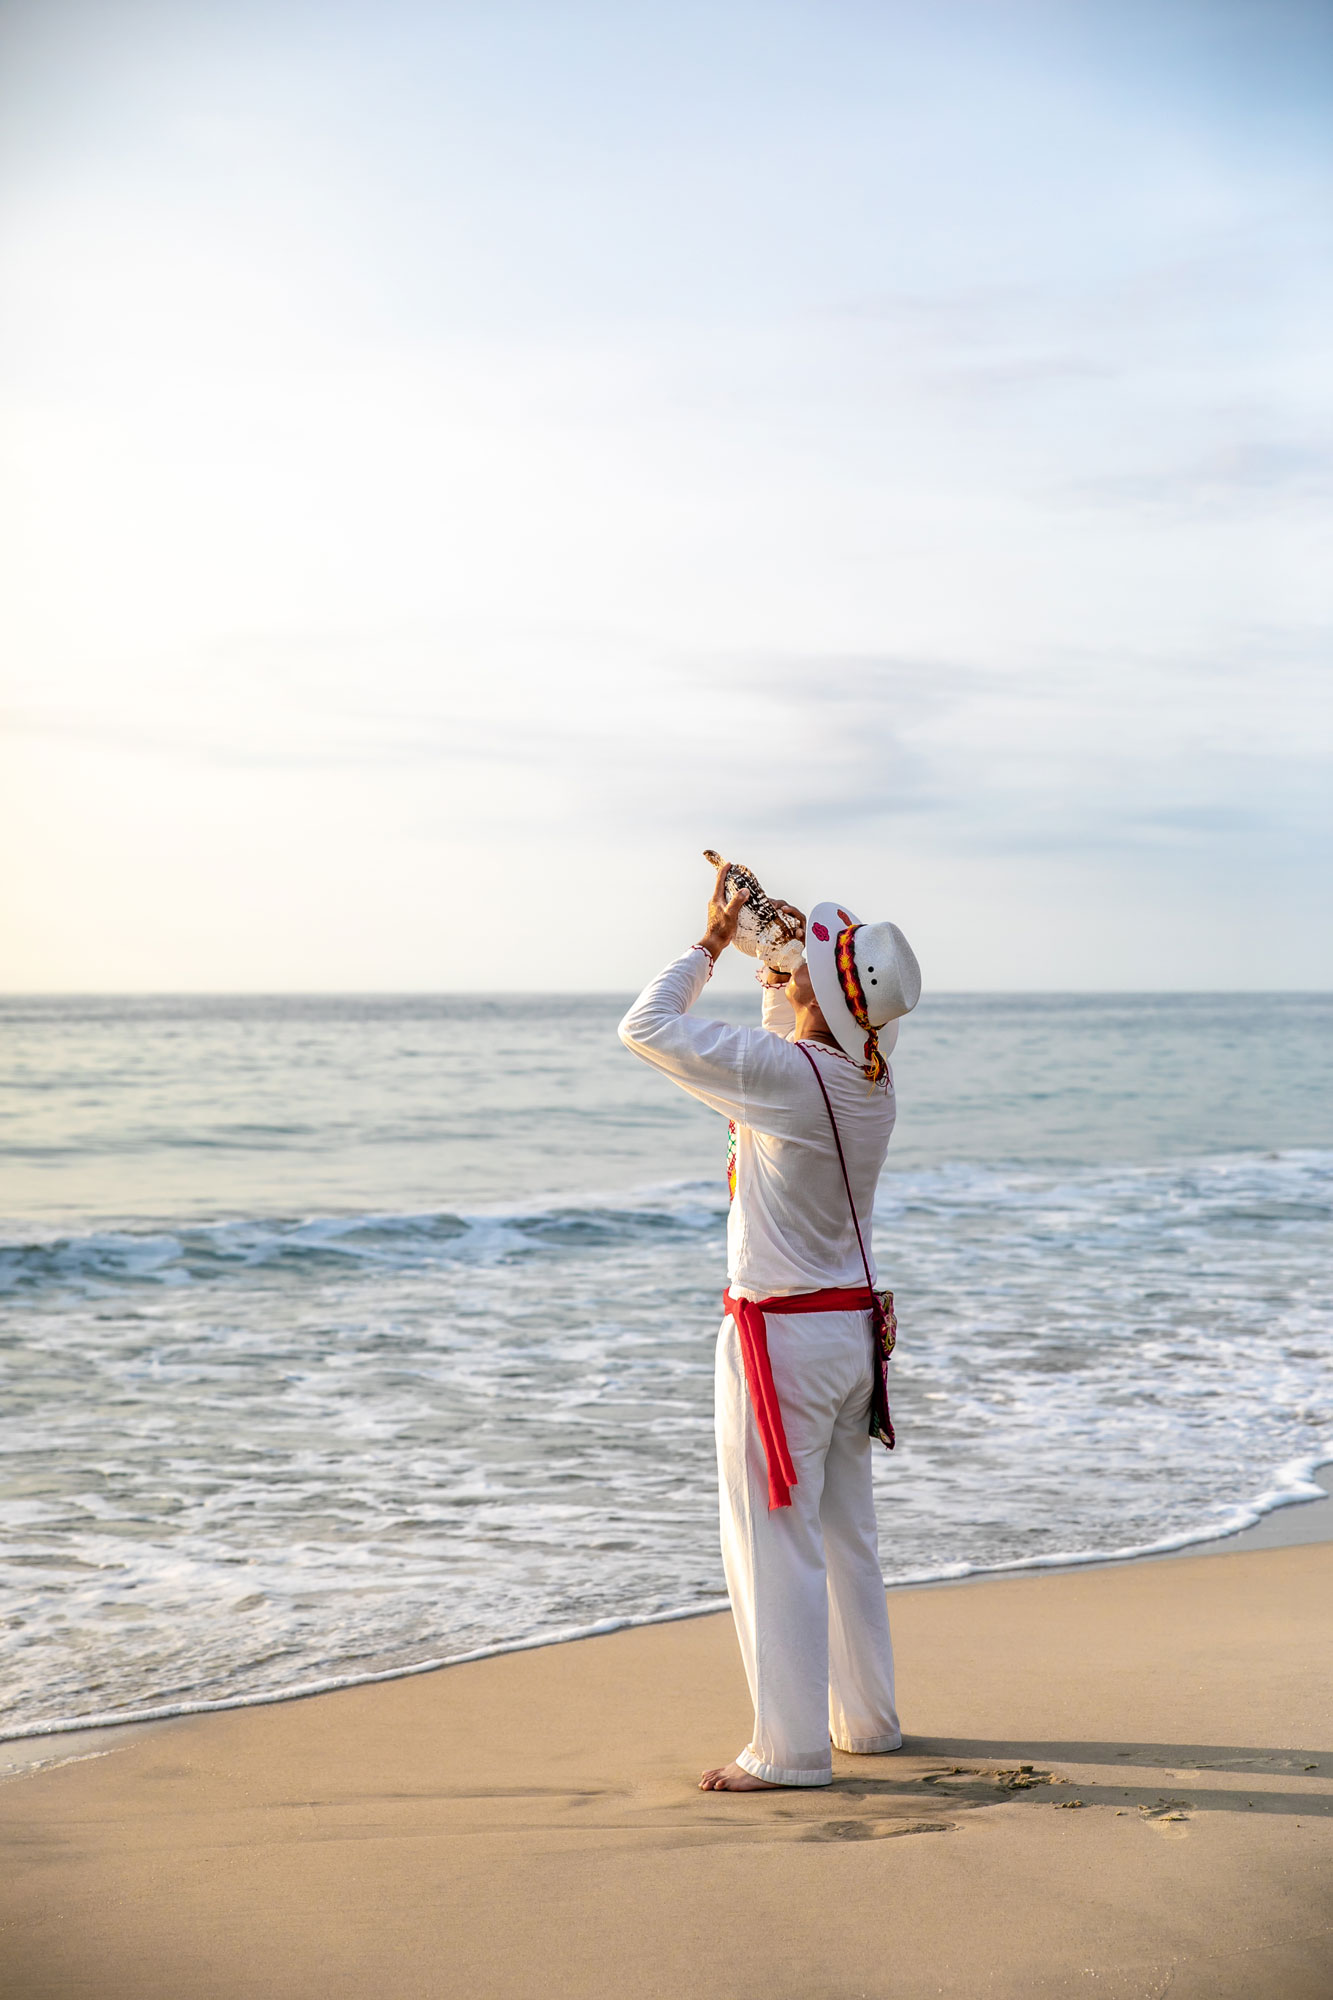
(827, 1049)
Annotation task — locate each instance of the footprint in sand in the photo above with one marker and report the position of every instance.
(874, 1829)
(1171, 1817)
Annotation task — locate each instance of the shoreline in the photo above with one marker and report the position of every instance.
(1302, 1519)
(1059, 1520)
(1122, 1774)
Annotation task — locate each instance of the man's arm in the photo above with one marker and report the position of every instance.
(704, 1057)
(737, 1071)
(707, 1058)
(778, 1015)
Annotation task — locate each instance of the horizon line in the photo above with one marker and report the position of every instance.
(618, 992)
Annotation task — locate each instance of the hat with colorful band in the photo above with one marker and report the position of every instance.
(865, 978)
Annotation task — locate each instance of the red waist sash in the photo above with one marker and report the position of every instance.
(753, 1330)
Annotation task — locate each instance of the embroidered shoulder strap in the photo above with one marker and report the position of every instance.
(837, 1140)
(881, 1309)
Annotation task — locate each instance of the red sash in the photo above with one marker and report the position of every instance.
(753, 1330)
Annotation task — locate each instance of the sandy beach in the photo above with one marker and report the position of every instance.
(1116, 1780)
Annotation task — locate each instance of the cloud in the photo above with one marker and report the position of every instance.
(1094, 753)
(1239, 476)
(624, 434)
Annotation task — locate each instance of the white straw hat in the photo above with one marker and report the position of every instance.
(865, 978)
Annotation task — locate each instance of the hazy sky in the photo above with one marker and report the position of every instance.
(462, 460)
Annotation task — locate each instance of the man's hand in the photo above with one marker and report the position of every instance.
(724, 913)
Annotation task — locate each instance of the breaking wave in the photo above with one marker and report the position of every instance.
(209, 1253)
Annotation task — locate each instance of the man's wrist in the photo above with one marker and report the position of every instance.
(714, 946)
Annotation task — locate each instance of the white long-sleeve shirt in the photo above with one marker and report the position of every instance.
(790, 1229)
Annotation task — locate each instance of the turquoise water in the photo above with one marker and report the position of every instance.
(342, 1334)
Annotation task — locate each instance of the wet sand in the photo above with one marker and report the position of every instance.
(1116, 1780)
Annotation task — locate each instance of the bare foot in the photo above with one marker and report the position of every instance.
(731, 1778)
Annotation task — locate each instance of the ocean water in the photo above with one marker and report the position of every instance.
(343, 1335)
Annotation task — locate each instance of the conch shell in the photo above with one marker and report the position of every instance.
(763, 932)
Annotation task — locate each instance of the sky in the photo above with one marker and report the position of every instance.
(460, 461)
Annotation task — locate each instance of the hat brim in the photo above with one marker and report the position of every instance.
(821, 957)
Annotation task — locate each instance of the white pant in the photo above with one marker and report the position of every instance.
(806, 1589)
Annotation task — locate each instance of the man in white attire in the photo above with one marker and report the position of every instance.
(798, 1390)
